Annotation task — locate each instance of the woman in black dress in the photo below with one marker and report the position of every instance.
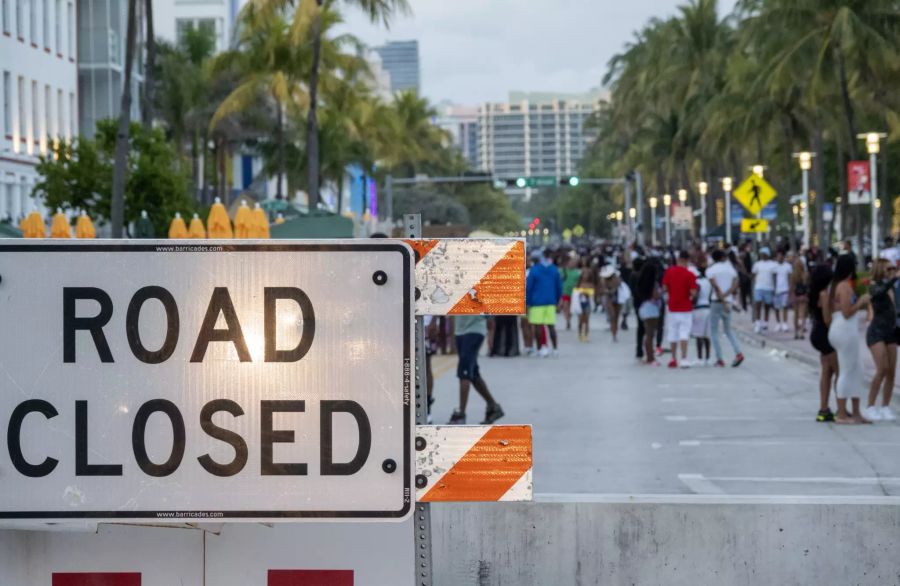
(881, 340)
(820, 308)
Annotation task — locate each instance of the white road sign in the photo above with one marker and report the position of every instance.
(159, 381)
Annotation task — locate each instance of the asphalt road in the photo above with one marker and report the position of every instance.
(603, 424)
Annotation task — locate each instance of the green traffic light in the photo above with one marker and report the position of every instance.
(574, 181)
(521, 182)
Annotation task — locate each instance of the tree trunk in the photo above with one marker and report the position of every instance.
(279, 194)
(849, 114)
(818, 184)
(117, 207)
(312, 126)
(149, 80)
(842, 182)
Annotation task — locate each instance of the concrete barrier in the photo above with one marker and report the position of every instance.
(671, 541)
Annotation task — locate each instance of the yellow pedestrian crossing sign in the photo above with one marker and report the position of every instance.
(754, 194)
(754, 225)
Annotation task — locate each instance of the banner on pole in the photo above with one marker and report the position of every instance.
(858, 183)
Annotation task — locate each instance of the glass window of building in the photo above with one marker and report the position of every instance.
(4, 8)
(70, 30)
(58, 15)
(22, 118)
(35, 115)
(32, 20)
(45, 15)
(20, 15)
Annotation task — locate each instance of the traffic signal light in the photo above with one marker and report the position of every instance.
(573, 181)
(521, 182)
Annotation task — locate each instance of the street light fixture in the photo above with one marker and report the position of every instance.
(759, 170)
(703, 188)
(632, 213)
(682, 195)
(873, 145)
(805, 159)
(667, 201)
(727, 186)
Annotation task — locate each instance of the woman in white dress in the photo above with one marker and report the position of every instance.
(844, 336)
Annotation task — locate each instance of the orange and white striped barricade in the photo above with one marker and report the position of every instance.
(473, 463)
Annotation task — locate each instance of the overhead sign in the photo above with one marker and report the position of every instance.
(682, 217)
(858, 183)
(753, 226)
(215, 382)
(754, 194)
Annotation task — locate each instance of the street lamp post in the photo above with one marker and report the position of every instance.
(805, 159)
(682, 199)
(727, 186)
(873, 145)
(703, 187)
(632, 215)
(667, 201)
(653, 204)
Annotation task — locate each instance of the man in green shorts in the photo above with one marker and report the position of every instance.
(570, 276)
(543, 290)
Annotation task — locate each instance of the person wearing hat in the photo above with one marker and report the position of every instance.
(763, 289)
(543, 290)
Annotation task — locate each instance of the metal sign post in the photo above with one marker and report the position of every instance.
(422, 517)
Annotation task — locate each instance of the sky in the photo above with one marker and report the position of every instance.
(473, 51)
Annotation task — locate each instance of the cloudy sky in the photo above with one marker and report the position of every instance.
(478, 50)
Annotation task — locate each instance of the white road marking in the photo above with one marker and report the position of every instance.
(764, 443)
(730, 418)
(858, 481)
(700, 484)
(656, 445)
(689, 443)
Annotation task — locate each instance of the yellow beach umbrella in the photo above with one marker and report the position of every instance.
(242, 221)
(177, 229)
(279, 219)
(196, 231)
(217, 224)
(33, 226)
(259, 223)
(60, 227)
(84, 227)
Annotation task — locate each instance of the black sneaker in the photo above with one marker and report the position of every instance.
(825, 416)
(457, 418)
(492, 414)
(738, 360)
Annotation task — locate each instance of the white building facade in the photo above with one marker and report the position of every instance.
(173, 17)
(531, 138)
(38, 91)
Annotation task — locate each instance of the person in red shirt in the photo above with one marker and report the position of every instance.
(680, 284)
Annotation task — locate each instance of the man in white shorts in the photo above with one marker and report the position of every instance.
(680, 284)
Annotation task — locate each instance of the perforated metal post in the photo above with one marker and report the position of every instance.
(412, 224)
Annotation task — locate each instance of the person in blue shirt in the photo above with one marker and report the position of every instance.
(543, 290)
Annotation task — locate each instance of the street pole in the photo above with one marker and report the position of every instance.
(653, 203)
(726, 187)
(639, 187)
(667, 201)
(805, 209)
(704, 189)
(389, 198)
(873, 165)
(630, 220)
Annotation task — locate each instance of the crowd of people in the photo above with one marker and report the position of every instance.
(682, 295)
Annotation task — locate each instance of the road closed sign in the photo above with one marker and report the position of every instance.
(172, 382)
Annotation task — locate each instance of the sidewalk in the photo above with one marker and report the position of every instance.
(801, 350)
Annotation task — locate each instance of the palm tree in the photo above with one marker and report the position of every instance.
(117, 211)
(147, 103)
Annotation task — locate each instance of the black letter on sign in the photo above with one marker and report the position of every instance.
(226, 435)
(14, 441)
(273, 354)
(220, 302)
(329, 468)
(92, 324)
(82, 468)
(138, 439)
(268, 436)
(132, 321)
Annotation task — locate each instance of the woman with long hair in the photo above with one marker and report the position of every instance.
(843, 334)
(800, 293)
(820, 310)
(582, 296)
(650, 308)
(881, 340)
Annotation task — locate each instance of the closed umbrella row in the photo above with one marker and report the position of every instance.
(248, 223)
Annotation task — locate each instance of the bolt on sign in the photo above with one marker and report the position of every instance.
(222, 381)
(754, 226)
(754, 194)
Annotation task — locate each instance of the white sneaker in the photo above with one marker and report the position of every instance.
(685, 364)
(887, 414)
(872, 413)
(757, 327)
(545, 352)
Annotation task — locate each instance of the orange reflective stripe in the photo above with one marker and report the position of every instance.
(501, 291)
(423, 247)
(489, 469)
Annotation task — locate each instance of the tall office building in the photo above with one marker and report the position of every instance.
(461, 123)
(534, 135)
(102, 26)
(38, 92)
(401, 60)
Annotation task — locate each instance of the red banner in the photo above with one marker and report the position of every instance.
(858, 191)
(310, 578)
(96, 579)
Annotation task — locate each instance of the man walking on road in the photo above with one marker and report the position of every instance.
(470, 332)
(680, 284)
(725, 282)
(543, 290)
(763, 289)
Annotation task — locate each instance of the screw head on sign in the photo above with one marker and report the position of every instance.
(389, 466)
(421, 481)
(379, 278)
(418, 293)
(420, 444)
